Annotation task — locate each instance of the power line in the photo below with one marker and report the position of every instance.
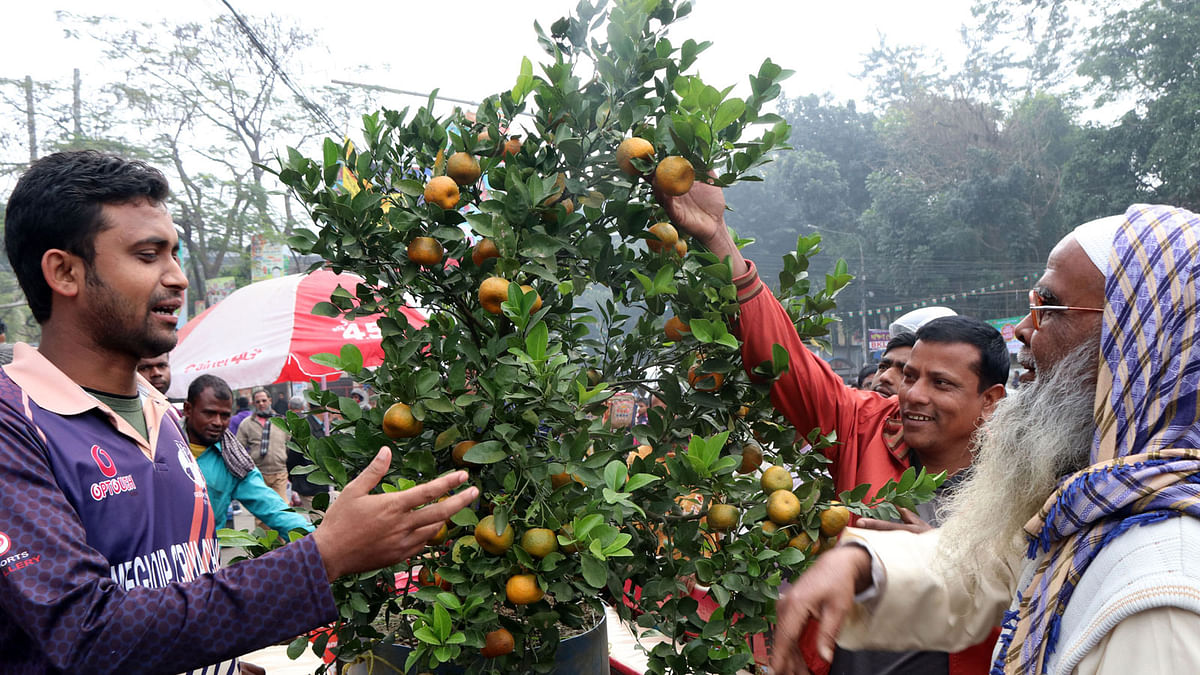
(313, 108)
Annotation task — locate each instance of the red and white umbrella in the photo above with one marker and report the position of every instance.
(266, 333)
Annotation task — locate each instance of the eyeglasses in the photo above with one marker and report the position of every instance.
(1036, 308)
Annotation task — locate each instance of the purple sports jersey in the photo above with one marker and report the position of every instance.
(108, 561)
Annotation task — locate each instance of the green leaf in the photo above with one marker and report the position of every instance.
(537, 340)
(639, 481)
(350, 408)
(352, 359)
(464, 518)
(614, 475)
(424, 634)
(727, 113)
(296, 647)
(487, 452)
(330, 150)
(702, 329)
(326, 309)
(441, 622)
(524, 81)
(595, 571)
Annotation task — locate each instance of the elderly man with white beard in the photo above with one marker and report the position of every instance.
(1078, 528)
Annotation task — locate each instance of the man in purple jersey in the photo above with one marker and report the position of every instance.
(107, 557)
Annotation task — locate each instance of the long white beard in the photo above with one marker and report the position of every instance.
(1035, 437)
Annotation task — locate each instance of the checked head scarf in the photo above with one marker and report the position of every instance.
(1145, 463)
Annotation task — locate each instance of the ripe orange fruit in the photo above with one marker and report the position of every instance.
(398, 422)
(783, 507)
(522, 589)
(426, 251)
(441, 535)
(752, 457)
(675, 328)
(512, 146)
(805, 543)
(664, 236)
(443, 191)
(492, 541)
(427, 578)
(492, 292)
(769, 527)
(463, 169)
(681, 248)
(486, 248)
(743, 411)
(775, 478)
(834, 519)
(539, 542)
(630, 149)
(674, 176)
(497, 643)
(537, 302)
(723, 517)
(560, 479)
(704, 381)
(456, 455)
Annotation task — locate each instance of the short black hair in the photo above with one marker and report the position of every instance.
(220, 388)
(3, 326)
(992, 366)
(865, 372)
(243, 403)
(57, 204)
(905, 339)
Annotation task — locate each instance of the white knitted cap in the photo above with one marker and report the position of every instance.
(1096, 238)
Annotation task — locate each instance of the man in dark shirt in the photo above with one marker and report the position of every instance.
(106, 533)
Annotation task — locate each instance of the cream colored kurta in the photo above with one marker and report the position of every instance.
(922, 606)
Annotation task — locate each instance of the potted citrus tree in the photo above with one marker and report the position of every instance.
(554, 281)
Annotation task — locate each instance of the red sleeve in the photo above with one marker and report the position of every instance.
(809, 394)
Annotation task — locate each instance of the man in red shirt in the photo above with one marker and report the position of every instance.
(953, 378)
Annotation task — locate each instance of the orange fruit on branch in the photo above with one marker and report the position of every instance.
(443, 191)
(630, 149)
(674, 176)
(783, 507)
(512, 146)
(539, 542)
(492, 292)
(681, 248)
(752, 457)
(497, 643)
(463, 169)
(663, 235)
(486, 248)
(704, 381)
(523, 589)
(426, 251)
(775, 478)
(675, 328)
(398, 422)
(492, 541)
(805, 543)
(459, 451)
(723, 517)
(834, 519)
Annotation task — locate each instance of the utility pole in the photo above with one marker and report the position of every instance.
(30, 120)
(862, 295)
(77, 107)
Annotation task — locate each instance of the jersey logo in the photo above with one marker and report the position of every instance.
(5, 543)
(104, 462)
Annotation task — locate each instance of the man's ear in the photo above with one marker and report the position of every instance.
(991, 396)
(187, 408)
(64, 272)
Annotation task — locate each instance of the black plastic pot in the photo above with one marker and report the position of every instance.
(583, 654)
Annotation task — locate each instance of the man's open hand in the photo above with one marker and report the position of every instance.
(823, 594)
(363, 531)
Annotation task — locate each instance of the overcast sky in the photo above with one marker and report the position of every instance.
(472, 48)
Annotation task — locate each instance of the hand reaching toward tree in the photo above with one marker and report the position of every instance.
(823, 594)
(363, 531)
(701, 214)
